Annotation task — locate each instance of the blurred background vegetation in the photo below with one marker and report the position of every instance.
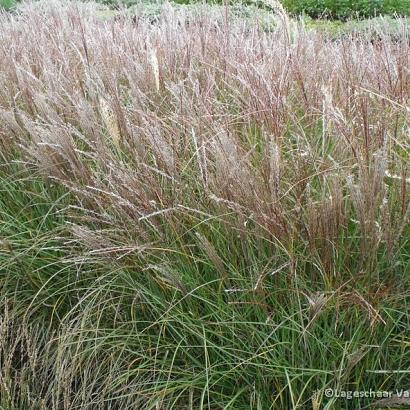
(328, 9)
(346, 9)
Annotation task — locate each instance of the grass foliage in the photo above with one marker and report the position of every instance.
(196, 213)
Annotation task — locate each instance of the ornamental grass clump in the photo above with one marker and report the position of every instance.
(198, 212)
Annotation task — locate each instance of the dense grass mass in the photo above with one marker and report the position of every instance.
(197, 213)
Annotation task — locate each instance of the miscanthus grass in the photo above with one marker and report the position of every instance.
(197, 213)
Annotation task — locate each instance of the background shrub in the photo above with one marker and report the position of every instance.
(6, 4)
(344, 9)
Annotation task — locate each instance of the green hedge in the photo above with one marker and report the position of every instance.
(344, 9)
